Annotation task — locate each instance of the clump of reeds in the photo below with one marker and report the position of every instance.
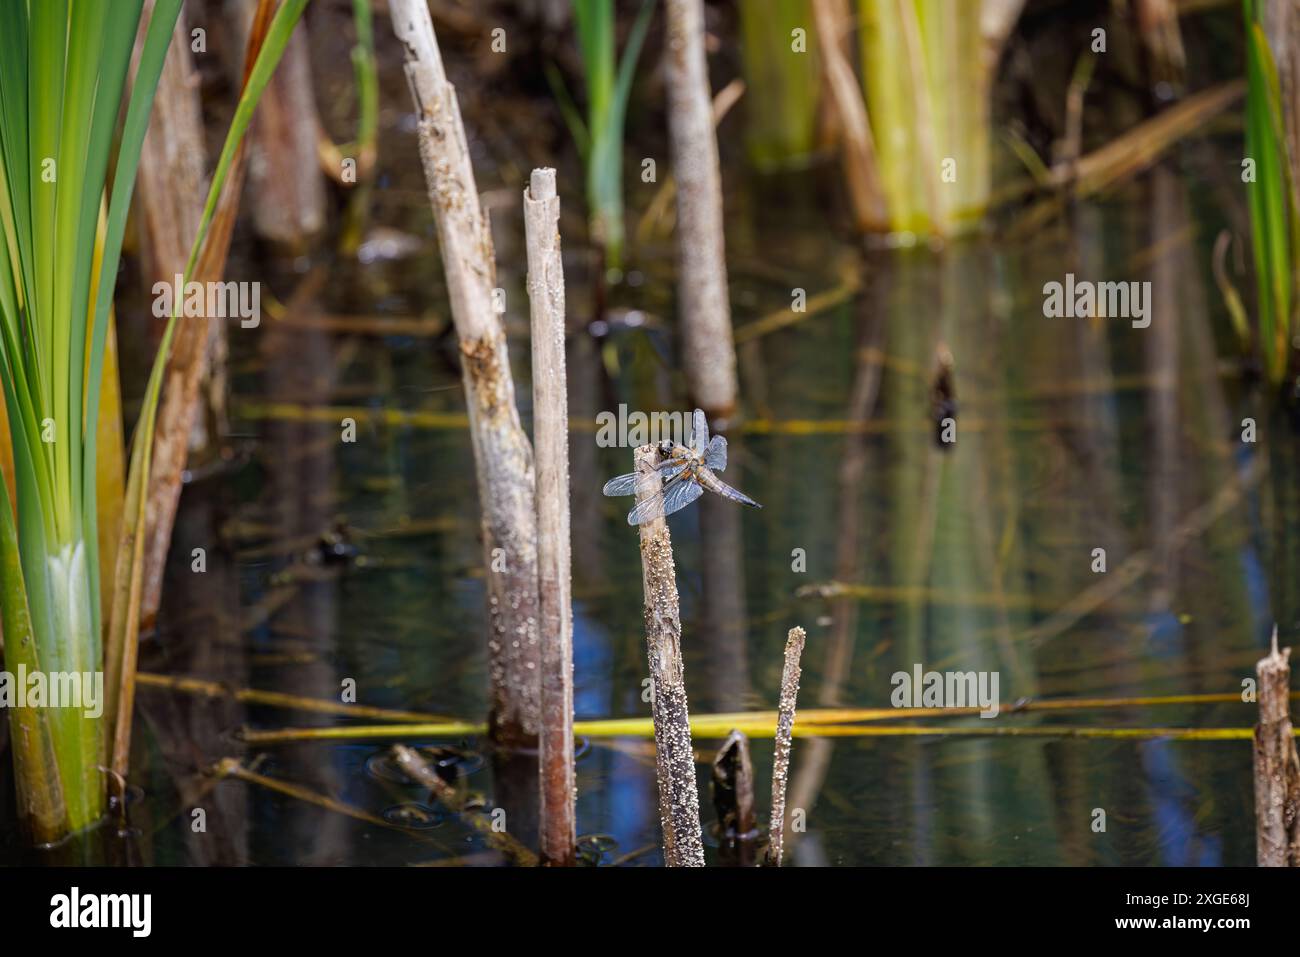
(63, 70)
(608, 82)
(928, 67)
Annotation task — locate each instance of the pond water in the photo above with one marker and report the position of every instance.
(331, 561)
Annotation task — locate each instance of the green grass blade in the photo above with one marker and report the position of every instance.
(149, 69)
(45, 115)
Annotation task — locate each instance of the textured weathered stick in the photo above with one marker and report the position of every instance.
(679, 798)
(781, 755)
(703, 305)
(551, 436)
(503, 458)
(1277, 768)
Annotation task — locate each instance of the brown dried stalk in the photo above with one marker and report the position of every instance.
(1277, 768)
(679, 799)
(551, 431)
(704, 305)
(503, 457)
(784, 730)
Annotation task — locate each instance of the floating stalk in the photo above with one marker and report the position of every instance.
(409, 760)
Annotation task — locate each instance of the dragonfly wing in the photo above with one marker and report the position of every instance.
(700, 432)
(726, 491)
(681, 494)
(678, 493)
(626, 484)
(622, 484)
(670, 470)
(715, 457)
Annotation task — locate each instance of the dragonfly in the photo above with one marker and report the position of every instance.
(686, 472)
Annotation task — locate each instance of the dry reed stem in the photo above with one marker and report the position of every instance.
(784, 731)
(679, 799)
(558, 838)
(704, 305)
(503, 457)
(1277, 767)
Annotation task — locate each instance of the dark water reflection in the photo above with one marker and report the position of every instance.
(1073, 435)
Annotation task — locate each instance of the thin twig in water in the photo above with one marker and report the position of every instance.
(277, 699)
(415, 767)
(232, 768)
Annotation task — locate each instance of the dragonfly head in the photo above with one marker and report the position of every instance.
(666, 449)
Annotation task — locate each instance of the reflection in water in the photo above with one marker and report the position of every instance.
(1072, 435)
(300, 458)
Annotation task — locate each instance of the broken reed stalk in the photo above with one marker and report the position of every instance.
(415, 767)
(1277, 768)
(781, 754)
(503, 458)
(733, 799)
(679, 799)
(703, 306)
(558, 838)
